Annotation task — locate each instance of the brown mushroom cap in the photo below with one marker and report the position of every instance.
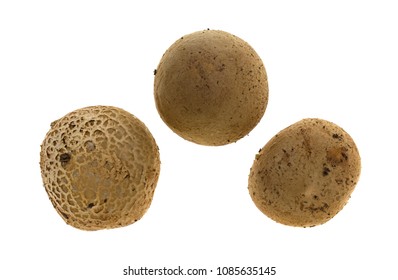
(211, 88)
(100, 166)
(305, 174)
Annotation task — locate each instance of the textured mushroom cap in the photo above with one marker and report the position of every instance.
(305, 174)
(100, 166)
(211, 88)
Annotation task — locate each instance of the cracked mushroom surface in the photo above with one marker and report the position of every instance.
(305, 174)
(100, 166)
(211, 88)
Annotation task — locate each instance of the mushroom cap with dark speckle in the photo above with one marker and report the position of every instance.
(211, 88)
(305, 174)
(100, 166)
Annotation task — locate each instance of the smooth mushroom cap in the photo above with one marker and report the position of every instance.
(211, 87)
(305, 174)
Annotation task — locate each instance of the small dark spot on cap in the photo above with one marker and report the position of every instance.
(325, 171)
(337, 136)
(64, 158)
(91, 205)
(154, 72)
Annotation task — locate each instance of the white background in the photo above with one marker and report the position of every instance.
(335, 60)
